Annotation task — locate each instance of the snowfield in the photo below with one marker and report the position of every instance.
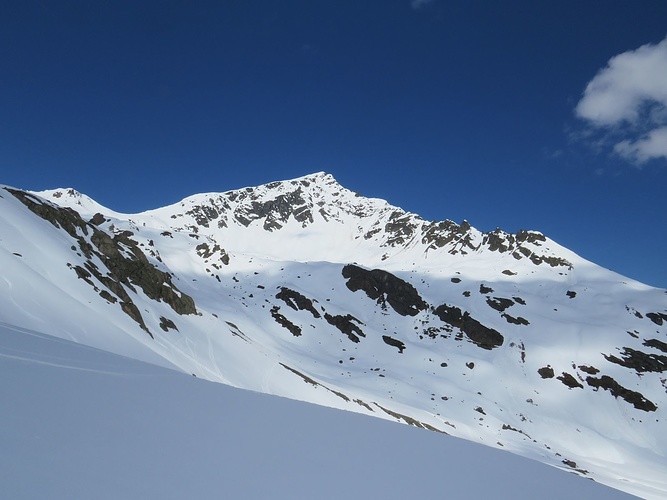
(83, 423)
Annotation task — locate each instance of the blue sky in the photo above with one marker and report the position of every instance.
(508, 114)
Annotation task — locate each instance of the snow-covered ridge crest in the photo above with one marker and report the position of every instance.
(315, 218)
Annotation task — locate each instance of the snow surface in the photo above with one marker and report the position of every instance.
(298, 234)
(83, 423)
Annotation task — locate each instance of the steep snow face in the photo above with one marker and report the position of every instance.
(304, 289)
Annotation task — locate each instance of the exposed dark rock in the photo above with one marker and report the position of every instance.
(108, 297)
(409, 420)
(571, 294)
(508, 272)
(483, 289)
(126, 263)
(98, 219)
(456, 280)
(497, 242)
(658, 344)
(61, 217)
(275, 212)
(530, 237)
(546, 372)
(385, 288)
(591, 370)
(205, 251)
(203, 214)
(394, 342)
(617, 390)
(507, 427)
(570, 463)
(284, 322)
(400, 228)
(166, 324)
(305, 378)
(137, 270)
(297, 301)
(551, 260)
(640, 361)
(132, 311)
(499, 303)
(83, 274)
(515, 321)
(439, 234)
(519, 300)
(483, 336)
(345, 325)
(657, 318)
(569, 381)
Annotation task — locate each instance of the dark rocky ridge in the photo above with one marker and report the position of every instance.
(126, 264)
(273, 205)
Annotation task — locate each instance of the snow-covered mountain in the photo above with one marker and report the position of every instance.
(307, 290)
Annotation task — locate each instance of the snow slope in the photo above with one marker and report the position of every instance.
(83, 423)
(306, 290)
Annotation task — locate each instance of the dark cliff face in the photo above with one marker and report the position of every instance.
(385, 288)
(126, 265)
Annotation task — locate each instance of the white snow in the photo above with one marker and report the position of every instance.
(83, 423)
(493, 397)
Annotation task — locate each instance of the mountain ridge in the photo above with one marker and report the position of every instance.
(274, 203)
(304, 289)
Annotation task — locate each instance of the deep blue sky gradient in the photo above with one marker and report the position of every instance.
(456, 110)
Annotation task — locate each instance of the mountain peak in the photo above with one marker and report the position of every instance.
(314, 215)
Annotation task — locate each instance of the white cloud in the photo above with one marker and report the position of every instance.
(629, 96)
(418, 4)
(652, 145)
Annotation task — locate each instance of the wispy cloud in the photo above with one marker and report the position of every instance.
(418, 4)
(627, 102)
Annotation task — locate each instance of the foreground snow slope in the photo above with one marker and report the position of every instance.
(83, 423)
(306, 290)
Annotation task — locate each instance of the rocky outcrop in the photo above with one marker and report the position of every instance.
(618, 391)
(125, 265)
(481, 335)
(348, 325)
(385, 288)
(297, 301)
(640, 361)
(284, 322)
